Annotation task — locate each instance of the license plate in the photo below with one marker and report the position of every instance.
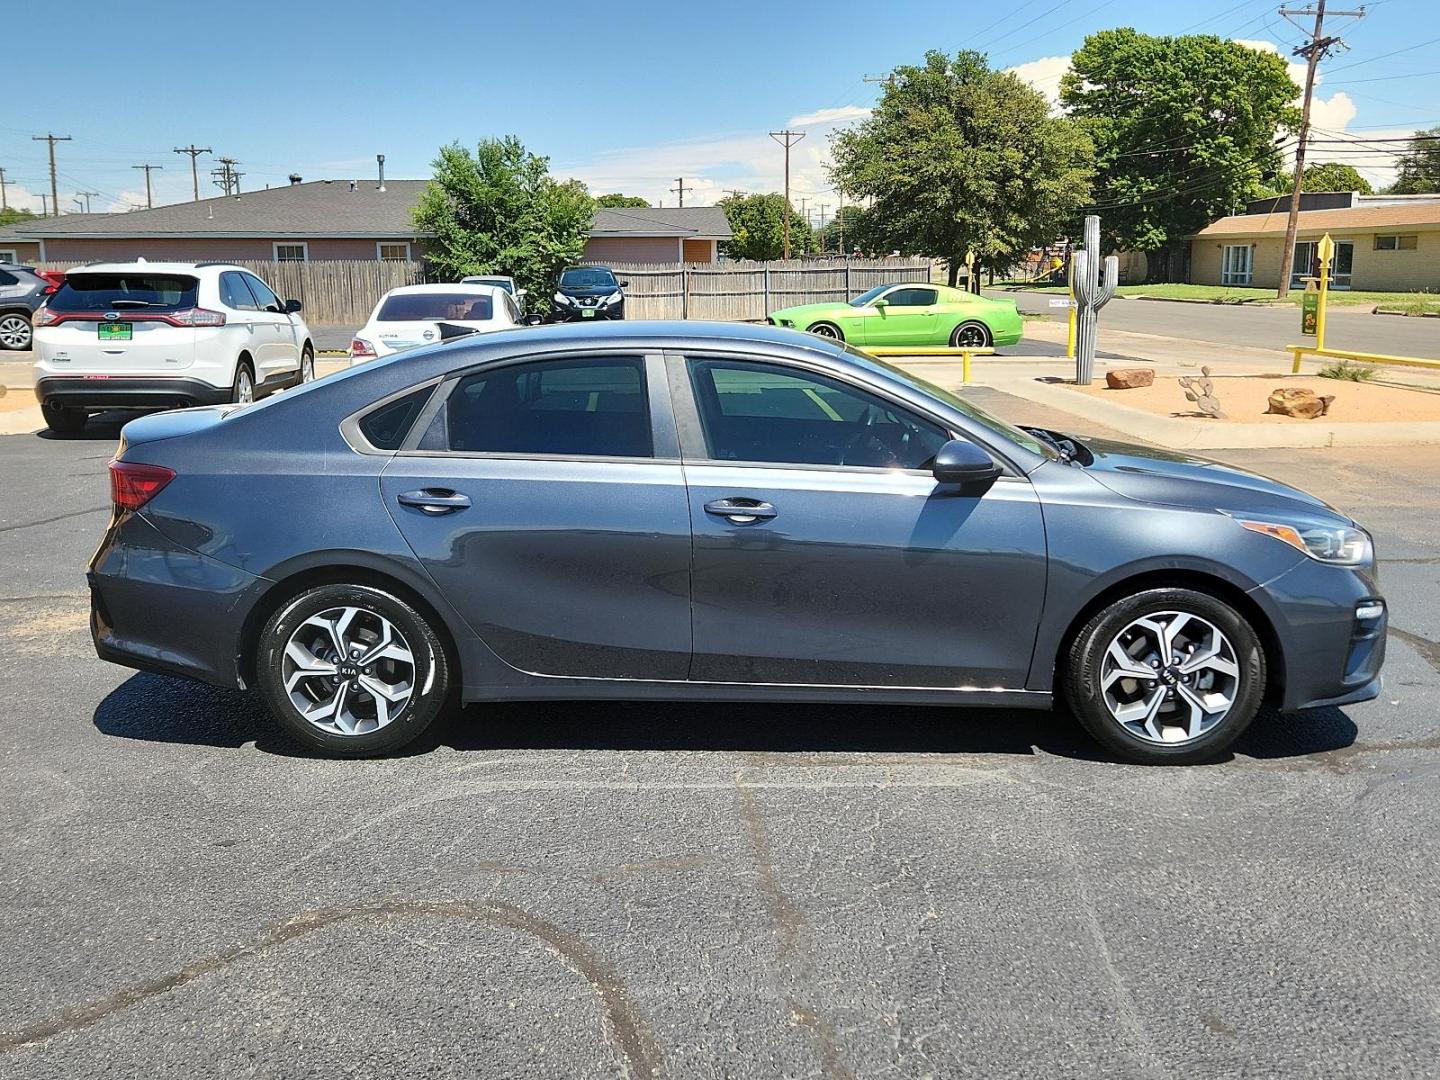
(115, 331)
(587, 313)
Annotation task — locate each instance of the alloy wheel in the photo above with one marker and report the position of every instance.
(970, 336)
(307, 368)
(244, 389)
(15, 332)
(825, 330)
(1169, 677)
(348, 671)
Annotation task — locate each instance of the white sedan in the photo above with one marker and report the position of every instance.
(415, 315)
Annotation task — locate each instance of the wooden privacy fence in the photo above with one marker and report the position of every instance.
(343, 292)
(745, 290)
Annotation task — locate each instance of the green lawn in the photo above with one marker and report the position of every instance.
(1229, 294)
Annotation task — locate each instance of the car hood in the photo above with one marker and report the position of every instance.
(1152, 475)
(806, 312)
(587, 290)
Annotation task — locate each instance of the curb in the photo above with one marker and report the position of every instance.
(1179, 434)
(1406, 314)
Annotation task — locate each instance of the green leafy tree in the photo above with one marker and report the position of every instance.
(1185, 129)
(1325, 176)
(858, 233)
(498, 211)
(1418, 170)
(11, 215)
(617, 201)
(960, 157)
(758, 225)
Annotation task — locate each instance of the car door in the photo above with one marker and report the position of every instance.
(281, 344)
(244, 315)
(548, 504)
(910, 316)
(826, 553)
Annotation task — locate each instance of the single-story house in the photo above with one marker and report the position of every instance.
(328, 220)
(1382, 243)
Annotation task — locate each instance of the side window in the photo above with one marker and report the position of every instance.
(7, 278)
(911, 298)
(263, 296)
(386, 427)
(778, 415)
(593, 407)
(234, 294)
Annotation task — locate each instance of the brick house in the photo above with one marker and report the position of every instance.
(328, 220)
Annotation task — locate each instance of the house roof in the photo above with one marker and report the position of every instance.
(322, 208)
(1358, 218)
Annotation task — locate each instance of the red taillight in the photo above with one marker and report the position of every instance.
(196, 317)
(361, 347)
(50, 290)
(45, 317)
(132, 484)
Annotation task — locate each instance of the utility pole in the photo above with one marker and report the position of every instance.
(680, 189)
(840, 219)
(4, 200)
(733, 192)
(79, 205)
(87, 195)
(228, 180)
(1314, 51)
(54, 190)
(888, 80)
(194, 152)
(44, 205)
(149, 202)
(787, 139)
(823, 208)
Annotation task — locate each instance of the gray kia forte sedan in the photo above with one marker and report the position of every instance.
(691, 510)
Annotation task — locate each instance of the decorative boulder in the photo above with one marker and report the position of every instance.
(1299, 402)
(1129, 378)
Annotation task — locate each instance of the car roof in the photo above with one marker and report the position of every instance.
(151, 267)
(472, 279)
(454, 287)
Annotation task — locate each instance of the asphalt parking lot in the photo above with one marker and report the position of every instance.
(643, 890)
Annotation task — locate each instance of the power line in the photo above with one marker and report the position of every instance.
(1382, 56)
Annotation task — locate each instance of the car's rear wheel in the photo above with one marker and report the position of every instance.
(15, 333)
(243, 392)
(352, 670)
(827, 330)
(1166, 676)
(971, 335)
(63, 421)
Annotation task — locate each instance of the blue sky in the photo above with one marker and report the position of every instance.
(624, 97)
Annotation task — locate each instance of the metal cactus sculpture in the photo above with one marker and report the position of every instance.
(1092, 292)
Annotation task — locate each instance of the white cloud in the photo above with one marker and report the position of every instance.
(18, 197)
(1044, 74)
(749, 162)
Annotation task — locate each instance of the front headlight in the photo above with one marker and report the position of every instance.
(1339, 545)
(561, 298)
(615, 297)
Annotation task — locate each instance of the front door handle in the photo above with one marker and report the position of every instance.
(434, 500)
(741, 511)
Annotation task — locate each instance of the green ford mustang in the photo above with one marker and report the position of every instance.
(910, 315)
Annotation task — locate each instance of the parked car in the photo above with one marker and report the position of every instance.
(502, 281)
(415, 315)
(164, 335)
(588, 292)
(910, 314)
(22, 291)
(713, 512)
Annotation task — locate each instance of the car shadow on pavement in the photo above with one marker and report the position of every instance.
(102, 427)
(157, 708)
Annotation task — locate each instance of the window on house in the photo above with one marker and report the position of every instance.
(9, 255)
(392, 252)
(1237, 266)
(292, 252)
(1396, 243)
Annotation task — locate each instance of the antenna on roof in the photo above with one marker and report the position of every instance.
(380, 160)
(354, 185)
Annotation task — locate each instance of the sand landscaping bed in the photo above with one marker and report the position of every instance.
(1245, 399)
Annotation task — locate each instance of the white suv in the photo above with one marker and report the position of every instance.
(161, 336)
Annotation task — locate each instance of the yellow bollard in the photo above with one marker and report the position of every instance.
(1326, 251)
(965, 367)
(1295, 367)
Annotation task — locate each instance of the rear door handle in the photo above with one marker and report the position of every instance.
(434, 500)
(741, 511)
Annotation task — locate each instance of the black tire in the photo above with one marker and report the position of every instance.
(64, 421)
(431, 681)
(307, 363)
(16, 331)
(1081, 676)
(243, 372)
(827, 330)
(969, 329)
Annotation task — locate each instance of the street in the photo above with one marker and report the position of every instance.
(642, 889)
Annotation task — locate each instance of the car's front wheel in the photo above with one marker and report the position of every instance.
(15, 333)
(352, 670)
(1166, 676)
(827, 330)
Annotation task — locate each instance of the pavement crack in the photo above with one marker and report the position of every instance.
(627, 1029)
(57, 517)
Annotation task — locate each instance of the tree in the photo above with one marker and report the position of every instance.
(1418, 170)
(959, 157)
(498, 211)
(13, 214)
(1325, 176)
(858, 233)
(617, 201)
(1184, 128)
(757, 223)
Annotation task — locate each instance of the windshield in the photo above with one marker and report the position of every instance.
(426, 307)
(865, 297)
(974, 412)
(587, 279)
(125, 292)
(499, 283)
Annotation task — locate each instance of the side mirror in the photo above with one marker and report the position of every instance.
(293, 306)
(533, 319)
(624, 284)
(520, 294)
(964, 463)
(880, 304)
